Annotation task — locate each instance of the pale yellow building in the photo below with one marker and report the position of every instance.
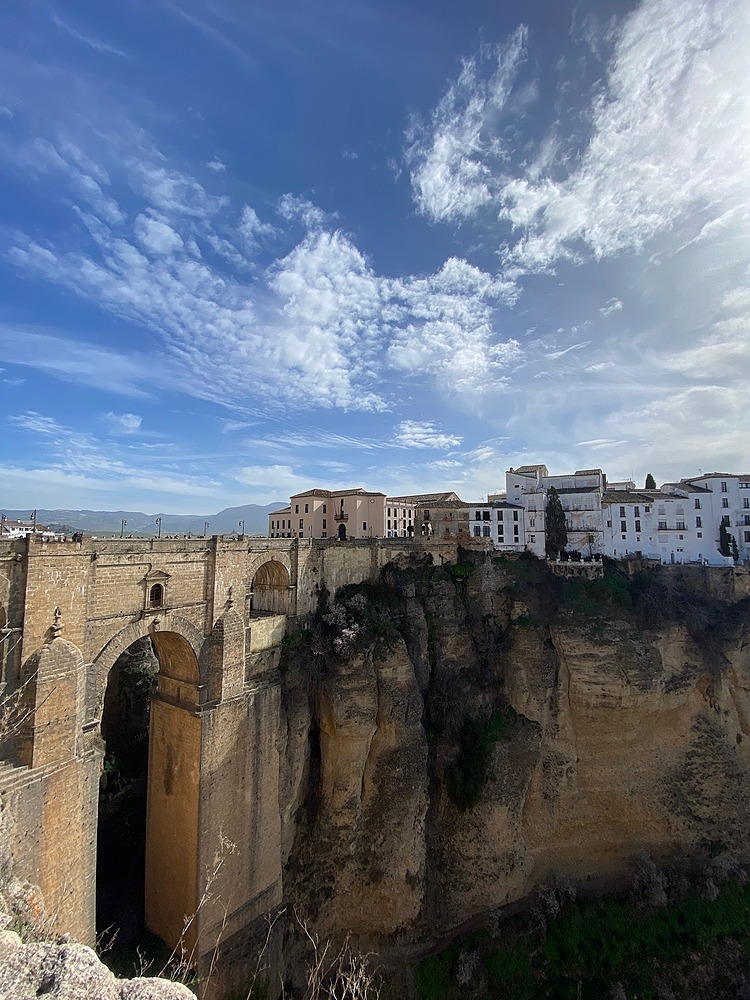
(319, 513)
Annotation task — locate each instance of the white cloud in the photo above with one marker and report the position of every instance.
(272, 482)
(291, 206)
(251, 228)
(611, 306)
(174, 193)
(217, 166)
(671, 133)
(124, 423)
(424, 434)
(156, 236)
(453, 157)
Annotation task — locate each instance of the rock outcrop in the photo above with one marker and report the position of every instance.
(596, 718)
(69, 971)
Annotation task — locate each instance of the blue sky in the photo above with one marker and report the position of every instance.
(252, 247)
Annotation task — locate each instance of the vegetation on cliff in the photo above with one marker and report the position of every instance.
(682, 931)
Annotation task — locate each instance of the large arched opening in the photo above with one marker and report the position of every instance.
(147, 834)
(269, 590)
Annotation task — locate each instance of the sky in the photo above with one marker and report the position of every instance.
(248, 248)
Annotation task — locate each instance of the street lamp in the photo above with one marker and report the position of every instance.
(123, 522)
(157, 522)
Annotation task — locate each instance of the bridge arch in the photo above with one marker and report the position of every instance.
(124, 639)
(270, 587)
(161, 785)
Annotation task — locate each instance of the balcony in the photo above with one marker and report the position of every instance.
(340, 516)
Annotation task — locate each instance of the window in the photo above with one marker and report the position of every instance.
(699, 534)
(661, 509)
(485, 515)
(697, 503)
(746, 502)
(325, 511)
(662, 525)
(637, 513)
(699, 522)
(609, 524)
(746, 519)
(477, 530)
(637, 524)
(302, 522)
(532, 538)
(325, 524)
(532, 522)
(623, 525)
(500, 532)
(747, 536)
(680, 525)
(724, 502)
(156, 596)
(477, 515)
(364, 526)
(647, 509)
(723, 487)
(622, 512)
(324, 534)
(307, 508)
(679, 509)
(296, 508)
(301, 534)
(515, 515)
(725, 520)
(485, 530)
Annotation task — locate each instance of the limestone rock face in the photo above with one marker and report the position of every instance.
(621, 736)
(70, 971)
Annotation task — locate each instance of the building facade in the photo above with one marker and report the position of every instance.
(678, 523)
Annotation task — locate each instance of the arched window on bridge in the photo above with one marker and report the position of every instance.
(270, 589)
(155, 585)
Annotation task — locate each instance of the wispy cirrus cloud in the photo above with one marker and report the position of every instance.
(318, 327)
(456, 154)
(75, 460)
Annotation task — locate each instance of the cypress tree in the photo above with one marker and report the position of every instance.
(557, 535)
(724, 543)
(650, 482)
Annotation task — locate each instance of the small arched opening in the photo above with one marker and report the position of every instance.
(156, 596)
(269, 591)
(342, 532)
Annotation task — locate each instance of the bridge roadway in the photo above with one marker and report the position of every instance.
(216, 611)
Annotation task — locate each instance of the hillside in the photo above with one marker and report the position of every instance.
(225, 521)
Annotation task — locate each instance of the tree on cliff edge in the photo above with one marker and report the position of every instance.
(557, 535)
(724, 542)
(650, 482)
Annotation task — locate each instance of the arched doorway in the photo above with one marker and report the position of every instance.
(148, 809)
(342, 532)
(270, 589)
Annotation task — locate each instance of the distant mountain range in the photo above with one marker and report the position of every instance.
(109, 522)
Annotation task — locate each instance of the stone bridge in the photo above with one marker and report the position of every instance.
(216, 612)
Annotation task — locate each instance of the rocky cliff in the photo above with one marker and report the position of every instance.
(454, 734)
